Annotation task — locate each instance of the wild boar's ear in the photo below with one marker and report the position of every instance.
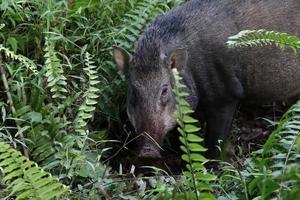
(178, 58)
(121, 58)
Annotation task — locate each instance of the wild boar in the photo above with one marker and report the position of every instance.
(192, 38)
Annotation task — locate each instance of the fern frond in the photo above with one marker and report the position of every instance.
(283, 153)
(273, 171)
(25, 179)
(29, 64)
(134, 22)
(137, 18)
(191, 145)
(263, 37)
(55, 74)
(86, 109)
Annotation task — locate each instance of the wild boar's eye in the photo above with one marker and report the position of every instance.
(165, 90)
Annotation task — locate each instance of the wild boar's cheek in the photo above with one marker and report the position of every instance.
(169, 120)
(132, 118)
(153, 128)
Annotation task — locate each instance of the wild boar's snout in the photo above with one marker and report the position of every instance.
(149, 152)
(152, 134)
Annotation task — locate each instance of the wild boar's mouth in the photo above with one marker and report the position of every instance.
(149, 147)
(152, 133)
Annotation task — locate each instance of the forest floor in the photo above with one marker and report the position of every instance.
(250, 129)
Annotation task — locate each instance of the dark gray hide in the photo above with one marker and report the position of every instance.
(193, 39)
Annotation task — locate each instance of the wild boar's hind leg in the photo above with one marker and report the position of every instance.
(218, 126)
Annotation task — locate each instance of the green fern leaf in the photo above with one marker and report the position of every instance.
(54, 72)
(194, 138)
(25, 180)
(190, 143)
(88, 106)
(263, 37)
(29, 64)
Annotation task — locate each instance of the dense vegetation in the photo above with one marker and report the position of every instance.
(61, 98)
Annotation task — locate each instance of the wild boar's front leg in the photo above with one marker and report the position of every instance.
(219, 119)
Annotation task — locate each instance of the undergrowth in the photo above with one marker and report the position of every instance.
(25, 179)
(273, 171)
(61, 95)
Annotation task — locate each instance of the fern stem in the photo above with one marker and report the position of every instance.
(12, 107)
(190, 158)
(181, 116)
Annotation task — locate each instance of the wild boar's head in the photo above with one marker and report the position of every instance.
(151, 104)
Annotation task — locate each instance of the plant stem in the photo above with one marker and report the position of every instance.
(181, 116)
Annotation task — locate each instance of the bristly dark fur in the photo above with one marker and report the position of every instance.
(163, 30)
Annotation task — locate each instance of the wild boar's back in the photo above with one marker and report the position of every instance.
(203, 27)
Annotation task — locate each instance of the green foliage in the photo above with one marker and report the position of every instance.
(54, 72)
(65, 47)
(11, 55)
(279, 160)
(136, 19)
(197, 176)
(25, 179)
(263, 37)
(273, 171)
(88, 106)
(64, 87)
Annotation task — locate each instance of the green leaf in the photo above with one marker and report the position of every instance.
(6, 162)
(198, 157)
(189, 128)
(13, 43)
(185, 158)
(194, 138)
(10, 168)
(43, 191)
(21, 187)
(36, 177)
(94, 82)
(92, 96)
(182, 133)
(57, 193)
(198, 166)
(207, 196)
(187, 119)
(203, 186)
(43, 181)
(35, 117)
(27, 194)
(194, 147)
(187, 174)
(180, 123)
(84, 171)
(183, 149)
(205, 177)
(182, 102)
(186, 110)
(182, 94)
(182, 140)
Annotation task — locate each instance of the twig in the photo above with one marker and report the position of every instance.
(104, 193)
(13, 110)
